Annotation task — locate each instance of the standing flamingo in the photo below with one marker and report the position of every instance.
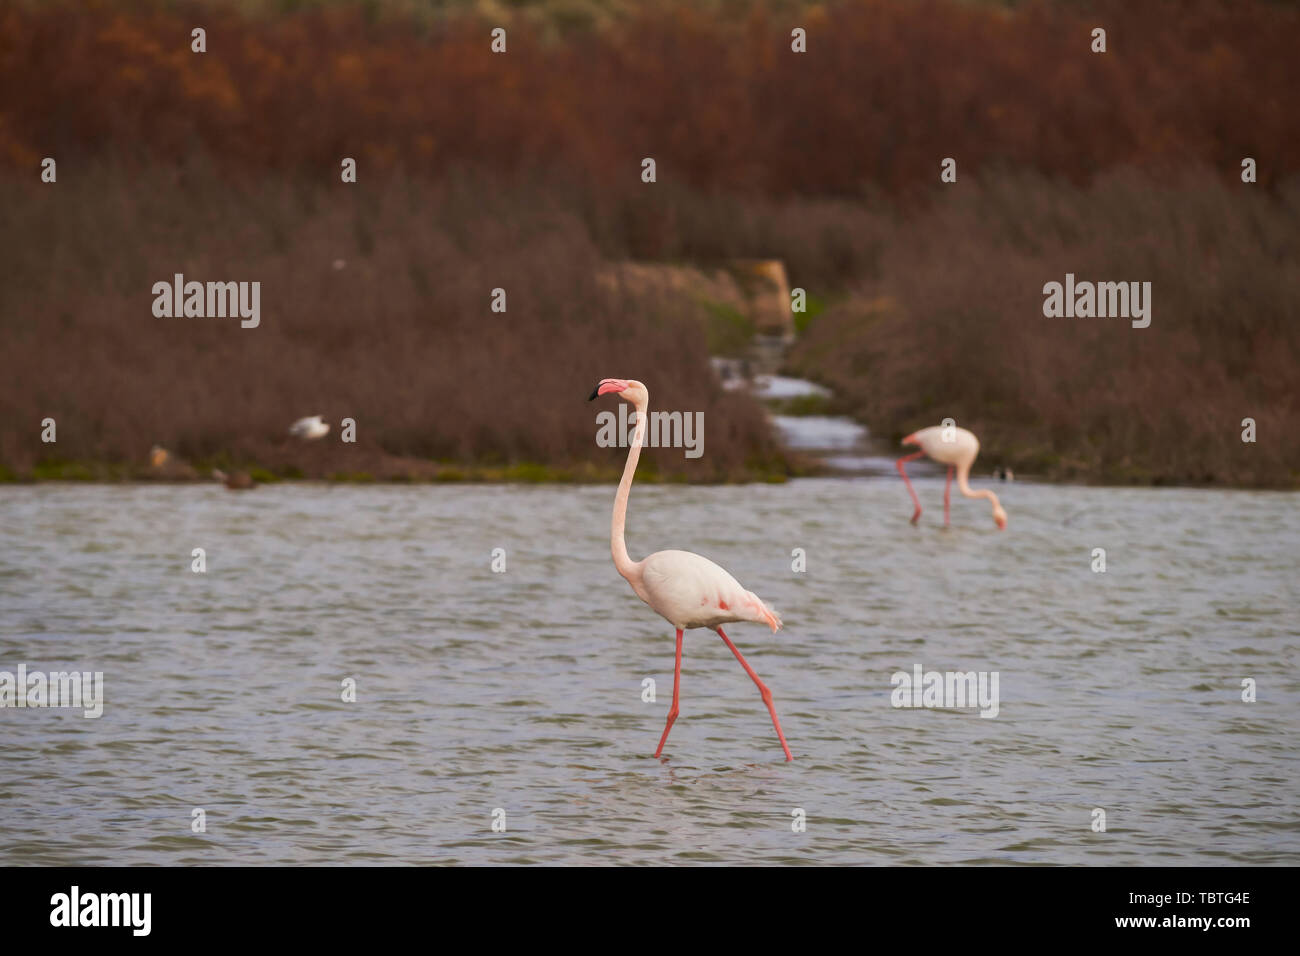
(956, 448)
(687, 590)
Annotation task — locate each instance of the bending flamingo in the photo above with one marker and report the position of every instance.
(958, 452)
(687, 590)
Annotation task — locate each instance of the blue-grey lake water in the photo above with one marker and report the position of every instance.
(517, 695)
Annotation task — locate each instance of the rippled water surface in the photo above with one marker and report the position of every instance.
(523, 690)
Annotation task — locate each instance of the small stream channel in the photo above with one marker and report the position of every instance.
(844, 446)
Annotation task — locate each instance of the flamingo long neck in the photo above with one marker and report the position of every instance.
(962, 472)
(617, 542)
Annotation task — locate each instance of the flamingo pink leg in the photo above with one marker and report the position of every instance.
(910, 490)
(762, 689)
(947, 490)
(677, 687)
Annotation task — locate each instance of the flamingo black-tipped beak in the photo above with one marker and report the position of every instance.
(607, 386)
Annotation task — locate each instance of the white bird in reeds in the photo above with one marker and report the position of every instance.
(309, 428)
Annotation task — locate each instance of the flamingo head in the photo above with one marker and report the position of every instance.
(1000, 517)
(629, 389)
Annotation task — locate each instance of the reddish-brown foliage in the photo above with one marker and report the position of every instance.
(522, 170)
(956, 329)
(375, 306)
(887, 89)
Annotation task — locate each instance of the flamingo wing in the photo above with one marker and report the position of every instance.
(963, 447)
(688, 590)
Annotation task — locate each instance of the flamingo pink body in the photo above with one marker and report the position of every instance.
(956, 448)
(686, 589)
